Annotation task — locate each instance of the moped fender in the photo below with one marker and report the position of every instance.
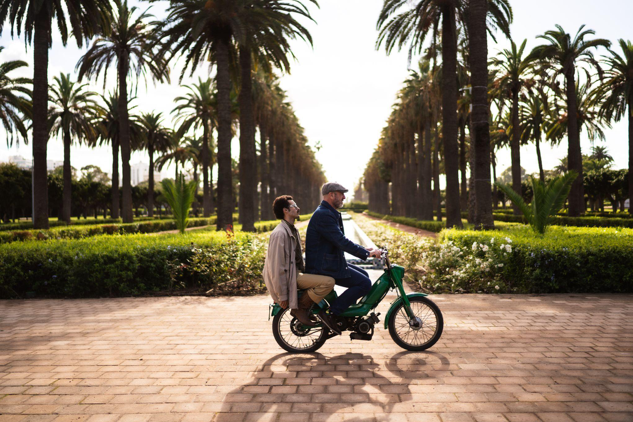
(274, 310)
(396, 303)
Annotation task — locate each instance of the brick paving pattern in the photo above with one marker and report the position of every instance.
(193, 359)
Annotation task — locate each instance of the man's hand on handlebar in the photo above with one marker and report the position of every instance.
(283, 304)
(374, 253)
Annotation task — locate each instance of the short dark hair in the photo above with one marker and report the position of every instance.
(279, 204)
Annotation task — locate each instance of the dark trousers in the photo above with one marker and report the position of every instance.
(358, 285)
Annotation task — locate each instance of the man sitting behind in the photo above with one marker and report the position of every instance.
(326, 245)
(284, 267)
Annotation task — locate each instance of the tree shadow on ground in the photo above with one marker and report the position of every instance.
(352, 387)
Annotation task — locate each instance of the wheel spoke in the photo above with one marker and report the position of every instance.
(410, 335)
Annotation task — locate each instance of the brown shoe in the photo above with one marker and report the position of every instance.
(329, 322)
(305, 303)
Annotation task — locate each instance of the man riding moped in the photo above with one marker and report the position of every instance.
(326, 245)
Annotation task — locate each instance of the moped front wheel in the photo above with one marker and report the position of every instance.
(294, 337)
(420, 332)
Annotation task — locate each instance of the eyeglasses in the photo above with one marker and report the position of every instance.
(294, 206)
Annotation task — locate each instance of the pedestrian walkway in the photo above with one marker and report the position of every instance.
(197, 359)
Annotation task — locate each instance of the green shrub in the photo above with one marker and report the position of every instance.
(567, 259)
(547, 199)
(573, 221)
(98, 266)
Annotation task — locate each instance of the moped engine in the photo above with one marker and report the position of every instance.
(364, 327)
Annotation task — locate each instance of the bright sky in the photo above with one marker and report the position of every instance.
(343, 89)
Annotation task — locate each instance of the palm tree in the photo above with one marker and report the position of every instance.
(72, 114)
(412, 26)
(129, 42)
(14, 108)
(561, 53)
(533, 117)
(179, 153)
(478, 11)
(198, 109)
(35, 19)
(617, 94)
(200, 30)
(514, 70)
(110, 132)
(156, 138)
(588, 103)
(267, 38)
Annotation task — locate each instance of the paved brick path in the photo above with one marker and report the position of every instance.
(193, 359)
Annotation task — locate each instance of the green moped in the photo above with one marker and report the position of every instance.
(414, 321)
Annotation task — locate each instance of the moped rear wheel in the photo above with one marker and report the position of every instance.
(420, 332)
(294, 337)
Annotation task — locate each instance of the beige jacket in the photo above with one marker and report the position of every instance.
(280, 270)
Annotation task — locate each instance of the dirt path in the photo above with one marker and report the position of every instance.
(402, 227)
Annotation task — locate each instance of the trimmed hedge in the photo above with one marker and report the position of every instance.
(80, 232)
(574, 221)
(566, 259)
(116, 265)
(102, 265)
(71, 232)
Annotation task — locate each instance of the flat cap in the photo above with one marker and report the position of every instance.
(332, 187)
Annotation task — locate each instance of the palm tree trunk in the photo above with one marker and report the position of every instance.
(206, 191)
(40, 109)
(436, 176)
(150, 187)
(263, 165)
(124, 136)
(480, 141)
(462, 166)
(271, 171)
(630, 158)
(115, 178)
(428, 172)
(421, 198)
(574, 155)
(67, 195)
(495, 194)
(515, 148)
(225, 181)
(538, 156)
(211, 203)
(449, 115)
(248, 164)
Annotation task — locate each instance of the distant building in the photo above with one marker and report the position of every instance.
(26, 164)
(140, 173)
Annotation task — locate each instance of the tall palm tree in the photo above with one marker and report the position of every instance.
(35, 18)
(515, 70)
(14, 108)
(110, 132)
(478, 11)
(128, 41)
(198, 110)
(269, 28)
(617, 94)
(588, 103)
(561, 53)
(412, 26)
(156, 138)
(72, 115)
(202, 31)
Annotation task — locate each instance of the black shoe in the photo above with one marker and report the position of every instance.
(328, 320)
